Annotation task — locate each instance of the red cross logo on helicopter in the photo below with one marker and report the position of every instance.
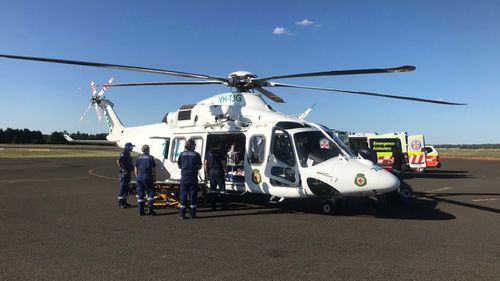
(324, 143)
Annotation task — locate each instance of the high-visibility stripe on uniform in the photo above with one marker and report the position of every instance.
(182, 206)
(120, 197)
(140, 200)
(192, 206)
(150, 198)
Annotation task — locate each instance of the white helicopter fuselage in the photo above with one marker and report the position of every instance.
(279, 155)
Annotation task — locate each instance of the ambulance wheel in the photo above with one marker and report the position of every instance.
(328, 207)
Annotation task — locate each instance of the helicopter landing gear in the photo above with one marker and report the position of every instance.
(405, 193)
(328, 207)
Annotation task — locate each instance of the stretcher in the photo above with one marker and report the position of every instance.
(167, 193)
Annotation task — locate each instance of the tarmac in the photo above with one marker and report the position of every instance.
(59, 221)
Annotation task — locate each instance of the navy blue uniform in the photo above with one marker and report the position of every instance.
(145, 165)
(216, 175)
(125, 161)
(189, 163)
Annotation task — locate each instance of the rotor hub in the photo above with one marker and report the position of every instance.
(95, 99)
(241, 80)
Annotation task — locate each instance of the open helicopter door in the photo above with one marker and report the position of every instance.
(281, 166)
(416, 152)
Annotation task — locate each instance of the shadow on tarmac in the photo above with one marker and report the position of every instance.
(442, 197)
(439, 174)
(422, 206)
(251, 205)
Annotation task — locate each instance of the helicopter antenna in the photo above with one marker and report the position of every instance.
(304, 115)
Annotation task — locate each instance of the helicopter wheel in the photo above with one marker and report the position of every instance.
(405, 193)
(328, 207)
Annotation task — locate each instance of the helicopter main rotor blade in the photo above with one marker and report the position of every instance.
(116, 66)
(272, 84)
(270, 95)
(404, 68)
(208, 82)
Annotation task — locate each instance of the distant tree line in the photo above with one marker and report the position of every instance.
(469, 146)
(26, 136)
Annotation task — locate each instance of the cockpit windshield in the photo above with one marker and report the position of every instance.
(313, 147)
(341, 142)
(342, 139)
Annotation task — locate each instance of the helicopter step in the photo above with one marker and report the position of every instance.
(276, 199)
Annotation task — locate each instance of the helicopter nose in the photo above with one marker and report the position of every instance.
(359, 176)
(386, 182)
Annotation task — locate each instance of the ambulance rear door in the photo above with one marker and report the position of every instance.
(416, 152)
(383, 146)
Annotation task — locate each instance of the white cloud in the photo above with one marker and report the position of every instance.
(304, 22)
(280, 31)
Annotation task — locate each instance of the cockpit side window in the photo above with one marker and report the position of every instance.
(314, 148)
(282, 148)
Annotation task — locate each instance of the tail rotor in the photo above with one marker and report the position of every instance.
(96, 98)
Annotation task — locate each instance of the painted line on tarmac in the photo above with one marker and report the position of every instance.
(484, 200)
(28, 180)
(92, 173)
(440, 189)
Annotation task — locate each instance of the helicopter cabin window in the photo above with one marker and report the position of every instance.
(314, 148)
(177, 147)
(199, 144)
(257, 149)
(166, 148)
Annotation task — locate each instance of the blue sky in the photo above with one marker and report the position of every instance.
(454, 45)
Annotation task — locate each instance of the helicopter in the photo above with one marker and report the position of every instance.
(277, 154)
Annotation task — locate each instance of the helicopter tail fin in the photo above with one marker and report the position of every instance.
(115, 125)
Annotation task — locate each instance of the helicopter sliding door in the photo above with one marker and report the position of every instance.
(230, 147)
(282, 168)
